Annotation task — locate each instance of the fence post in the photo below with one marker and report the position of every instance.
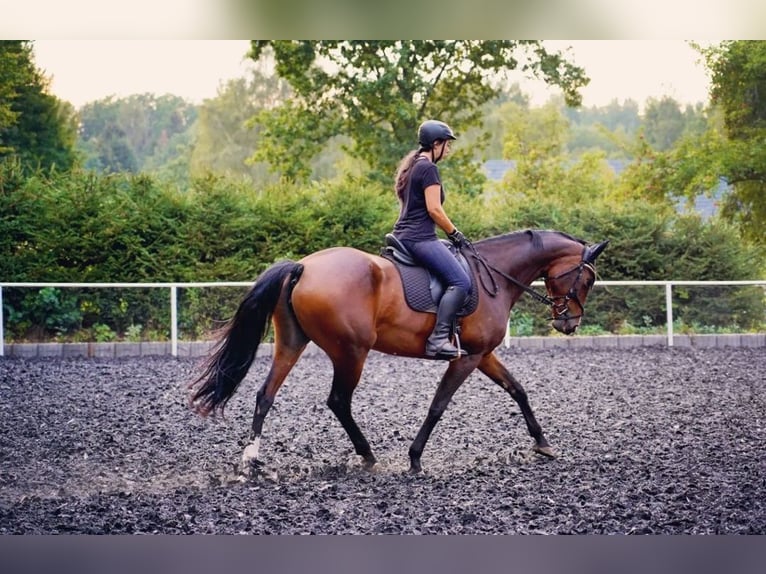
(669, 310)
(2, 334)
(174, 320)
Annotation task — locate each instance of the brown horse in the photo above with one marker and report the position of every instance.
(349, 302)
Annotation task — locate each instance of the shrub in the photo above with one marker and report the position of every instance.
(78, 226)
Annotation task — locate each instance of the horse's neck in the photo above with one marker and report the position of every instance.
(531, 266)
(521, 259)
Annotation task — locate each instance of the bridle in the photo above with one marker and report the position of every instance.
(561, 308)
(558, 303)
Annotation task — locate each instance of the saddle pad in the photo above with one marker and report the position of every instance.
(416, 282)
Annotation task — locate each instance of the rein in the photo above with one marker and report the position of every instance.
(544, 299)
(560, 309)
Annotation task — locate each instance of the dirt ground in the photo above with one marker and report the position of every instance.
(649, 441)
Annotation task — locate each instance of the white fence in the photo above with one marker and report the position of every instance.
(173, 296)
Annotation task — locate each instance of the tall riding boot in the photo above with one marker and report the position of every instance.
(438, 345)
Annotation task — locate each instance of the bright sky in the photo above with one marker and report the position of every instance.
(635, 69)
(83, 71)
(86, 70)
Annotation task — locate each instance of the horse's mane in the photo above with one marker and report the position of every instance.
(533, 235)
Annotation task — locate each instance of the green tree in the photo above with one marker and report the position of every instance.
(99, 134)
(487, 140)
(537, 140)
(738, 78)
(224, 138)
(127, 134)
(606, 128)
(664, 122)
(377, 92)
(14, 72)
(534, 134)
(172, 161)
(36, 127)
(734, 146)
(113, 153)
(696, 119)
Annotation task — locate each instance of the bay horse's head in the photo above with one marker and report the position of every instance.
(568, 287)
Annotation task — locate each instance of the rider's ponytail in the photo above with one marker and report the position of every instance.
(403, 173)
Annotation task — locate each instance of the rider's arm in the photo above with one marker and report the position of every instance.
(435, 209)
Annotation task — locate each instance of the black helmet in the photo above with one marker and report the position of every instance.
(434, 130)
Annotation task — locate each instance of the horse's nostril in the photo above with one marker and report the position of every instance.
(570, 329)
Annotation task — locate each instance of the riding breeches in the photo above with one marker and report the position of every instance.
(438, 259)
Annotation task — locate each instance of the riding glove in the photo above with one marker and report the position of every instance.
(457, 238)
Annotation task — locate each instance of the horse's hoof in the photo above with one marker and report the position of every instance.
(545, 451)
(369, 465)
(251, 464)
(250, 468)
(257, 471)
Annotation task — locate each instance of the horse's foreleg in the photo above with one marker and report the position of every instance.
(491, 366)
(346, 374)
(455, 376)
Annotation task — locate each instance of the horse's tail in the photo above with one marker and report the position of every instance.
(235, 351)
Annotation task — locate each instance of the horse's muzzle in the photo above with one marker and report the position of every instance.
(566, 326)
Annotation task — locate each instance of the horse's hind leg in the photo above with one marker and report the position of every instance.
(283, 362)
(289, 344)
(492, 367)
(346, 374)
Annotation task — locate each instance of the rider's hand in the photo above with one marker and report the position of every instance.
(457, 238)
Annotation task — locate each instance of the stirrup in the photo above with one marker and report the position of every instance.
(448, 355)
(441, 356)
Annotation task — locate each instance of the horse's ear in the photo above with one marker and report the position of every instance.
(593, 251)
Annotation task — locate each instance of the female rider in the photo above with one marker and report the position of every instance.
(421, 195)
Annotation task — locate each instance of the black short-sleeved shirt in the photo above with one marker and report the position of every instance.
(414, 223)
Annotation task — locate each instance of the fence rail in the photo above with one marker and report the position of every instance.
(173, 296)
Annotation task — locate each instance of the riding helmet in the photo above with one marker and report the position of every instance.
(431, 131)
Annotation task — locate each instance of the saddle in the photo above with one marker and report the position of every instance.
(422, 290)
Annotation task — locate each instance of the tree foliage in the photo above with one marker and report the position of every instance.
(15, 71)
(734, 147)
(664, 123)
(224, 137)
(738, 71)
(377, 92)
(605, 128)
(538, 141)
(120, 221)
(81, 226)
(126, 134)
(35, 127)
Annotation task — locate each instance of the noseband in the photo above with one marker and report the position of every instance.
(558, 303)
